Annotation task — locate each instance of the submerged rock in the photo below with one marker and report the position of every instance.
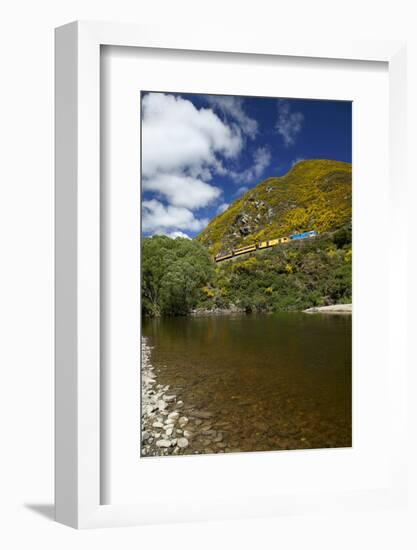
(169, 398)
(182, 442)
(203, 414)
(183, 421)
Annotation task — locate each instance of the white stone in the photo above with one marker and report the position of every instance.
(170, 422)
(163, 443)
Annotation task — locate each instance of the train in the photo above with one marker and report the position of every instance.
(265, 244)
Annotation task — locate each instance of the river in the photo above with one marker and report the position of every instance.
(268, 382)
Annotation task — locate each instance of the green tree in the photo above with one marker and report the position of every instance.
(174, 273)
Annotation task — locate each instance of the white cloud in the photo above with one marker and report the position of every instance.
(158, 218)
(182, 149)
(289, 124)
(296, 161)
(232, 107)
(175, 234)
(177, 137)
(182, 190)
(222, 207)
(261, 159)
(241, 190)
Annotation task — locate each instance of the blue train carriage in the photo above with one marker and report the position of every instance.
(305, 235)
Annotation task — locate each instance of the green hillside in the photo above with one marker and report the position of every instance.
(181, 275)
(313, 195)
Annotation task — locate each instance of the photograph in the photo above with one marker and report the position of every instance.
(246, 274)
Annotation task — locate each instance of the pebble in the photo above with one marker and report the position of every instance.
(157, 425)
(163, 443)
(174, 415)
(187, 433)
(161, 405)
(180, 403)
(169, 431)
(182, 442)
(170, 422)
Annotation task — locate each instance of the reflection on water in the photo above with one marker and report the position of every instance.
(271, 381)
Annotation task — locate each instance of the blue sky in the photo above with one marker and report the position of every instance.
(201, 152)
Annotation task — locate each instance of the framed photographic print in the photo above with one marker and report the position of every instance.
(222, 208)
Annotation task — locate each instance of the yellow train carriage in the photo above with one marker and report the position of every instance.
(244, 249)
(283, 240)
(224, 257)
(263, 244)
(273, 242)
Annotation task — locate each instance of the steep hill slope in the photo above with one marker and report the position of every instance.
(313, 195)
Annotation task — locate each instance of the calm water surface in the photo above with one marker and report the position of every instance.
(271, 381)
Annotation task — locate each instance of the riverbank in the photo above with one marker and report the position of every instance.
(345, 309)
(169, 426)
(216, 311)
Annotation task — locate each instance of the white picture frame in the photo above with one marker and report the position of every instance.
(78, 404)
